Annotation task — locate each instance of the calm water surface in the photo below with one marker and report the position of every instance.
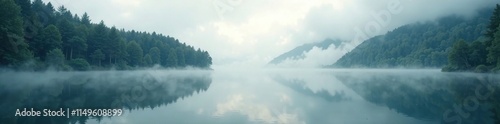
(293, 96)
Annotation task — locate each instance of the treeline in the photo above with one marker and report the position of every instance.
(482, 55)
(418, 45)
(35, 36)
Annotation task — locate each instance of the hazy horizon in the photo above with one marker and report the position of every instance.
(241, 33)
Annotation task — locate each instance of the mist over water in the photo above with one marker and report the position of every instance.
(268, 96)
(126, 90)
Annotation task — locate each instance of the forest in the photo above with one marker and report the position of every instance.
(482, 55)
(35, 36)
(433, 44)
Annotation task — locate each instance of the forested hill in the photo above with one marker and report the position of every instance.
(36, 36)
(424, 44)
(298, 52)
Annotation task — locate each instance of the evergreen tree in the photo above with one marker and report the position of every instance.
(163, 54)
(97, 56)
(82, 31)
(98, 37)
(147, 60)
(112, 48)
(78, 45)
(181, 59)
(494, 49)
(68, 31)
(45, 13)
(135, 54)
(479, 56)
(25, 5)
(122, 51)
(155, 55)
(172, 58)
(13, 49)
(49, 39)
(55, 58)
(86, 19)
(493, 25)
(190, 57)
(37, 27)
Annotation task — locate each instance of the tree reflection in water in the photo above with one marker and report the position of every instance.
(429, 96)
(127, 90)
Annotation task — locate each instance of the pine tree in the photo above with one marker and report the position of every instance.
(494, 49)
(97, 56)
(48, 33)
(98, 37)
(13, 49)
(490, 35)
(112, 45)
(55, 58)
(135, 54)
(86, 19)
(147, 60)
(155, 55)
(49, 39)
(181, 59)
(163, 54)
(25, 5)
(494, 23)
(77, 45)
(68, 31)
(122, 52)
(172, 58)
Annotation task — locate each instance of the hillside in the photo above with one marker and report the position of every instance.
(423, 44)
(480, 56)
(298, 52)
(36, 36)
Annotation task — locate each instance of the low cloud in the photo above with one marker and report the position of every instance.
(250, 33)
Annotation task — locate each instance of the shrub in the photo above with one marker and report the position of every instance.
(481, 69)
(79, 64)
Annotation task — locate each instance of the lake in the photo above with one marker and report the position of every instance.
(267, 96)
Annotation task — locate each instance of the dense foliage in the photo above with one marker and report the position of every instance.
(31, 32)
(423, 44)
(482, 55)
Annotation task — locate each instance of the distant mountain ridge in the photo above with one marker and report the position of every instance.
(298, 52)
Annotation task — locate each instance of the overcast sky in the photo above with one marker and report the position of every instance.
(249, 33)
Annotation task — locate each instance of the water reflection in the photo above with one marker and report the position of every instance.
(92, 90)
(262, 96)
(300, 86)
(433, 96)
